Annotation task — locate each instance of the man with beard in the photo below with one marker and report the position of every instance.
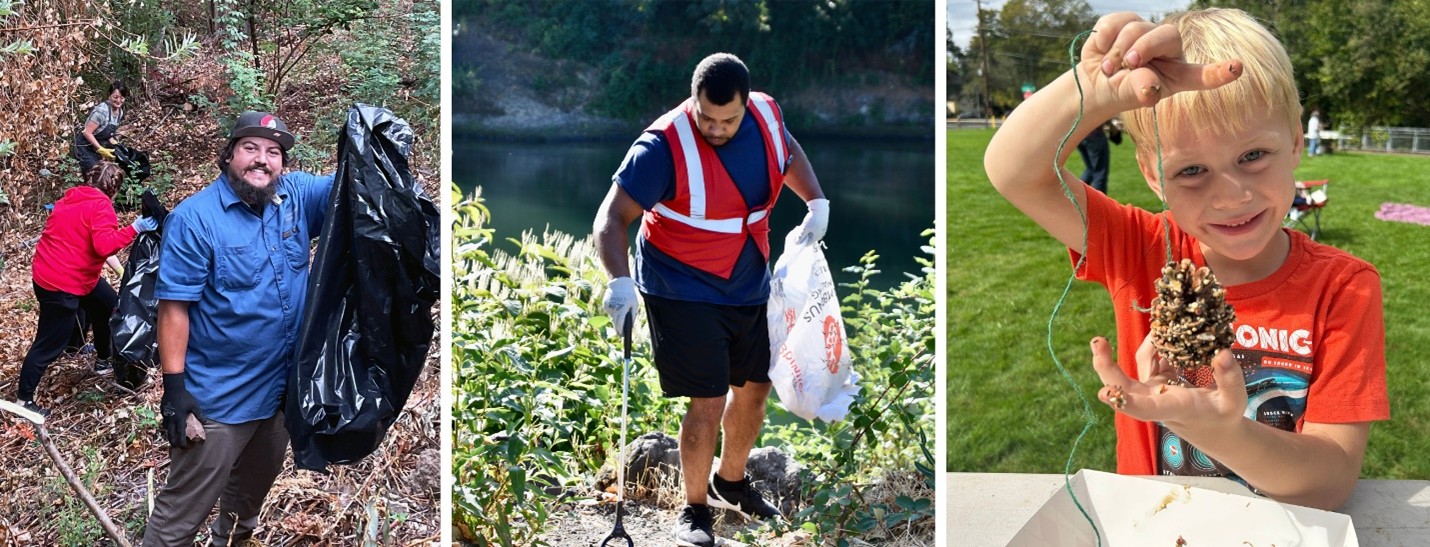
(233, 276)
(703, 178)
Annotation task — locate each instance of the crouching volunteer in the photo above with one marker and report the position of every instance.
(702, 178)
(233, 276)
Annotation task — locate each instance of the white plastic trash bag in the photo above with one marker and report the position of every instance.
(810, 364)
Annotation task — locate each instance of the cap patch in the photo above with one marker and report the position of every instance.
(269, 122)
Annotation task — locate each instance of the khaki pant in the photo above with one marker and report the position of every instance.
(235, 467)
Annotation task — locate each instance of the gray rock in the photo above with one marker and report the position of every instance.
(652, 461)
(776, 475)
(425, 477)
(653, 465)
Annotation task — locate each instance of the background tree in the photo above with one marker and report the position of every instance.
(1027, 43)
(790, 41)
(43, 51)
(1360, 63)
(953, 68)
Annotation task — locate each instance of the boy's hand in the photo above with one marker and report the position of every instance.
(1133, 63)
(1176, 406)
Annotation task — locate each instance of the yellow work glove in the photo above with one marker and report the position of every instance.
(108, 153)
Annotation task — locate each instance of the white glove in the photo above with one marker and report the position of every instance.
(816, 221)
(620, 301)
(145, 224)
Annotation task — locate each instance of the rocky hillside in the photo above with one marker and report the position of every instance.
(504, 90)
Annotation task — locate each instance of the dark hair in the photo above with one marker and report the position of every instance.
(225, 155)
(720, 76)
(105, 177)
(120, 87)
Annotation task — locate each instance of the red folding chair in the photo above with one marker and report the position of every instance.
(1305, 212)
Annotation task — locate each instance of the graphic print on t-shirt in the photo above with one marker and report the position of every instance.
(1276, 364)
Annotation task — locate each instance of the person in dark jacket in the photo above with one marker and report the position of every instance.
(1096, 155)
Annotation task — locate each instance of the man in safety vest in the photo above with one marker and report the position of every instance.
(703, 179)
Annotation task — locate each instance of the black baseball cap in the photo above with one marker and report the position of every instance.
(261, 124)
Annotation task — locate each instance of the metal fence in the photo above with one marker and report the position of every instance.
(974, 123)
(1414, 140)
(1410, 140)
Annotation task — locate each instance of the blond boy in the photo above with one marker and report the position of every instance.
(1288, 409)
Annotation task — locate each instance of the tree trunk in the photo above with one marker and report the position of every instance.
(253, 36)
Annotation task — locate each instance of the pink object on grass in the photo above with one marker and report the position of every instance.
(1401, 212)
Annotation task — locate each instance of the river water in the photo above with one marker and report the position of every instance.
(881, 195)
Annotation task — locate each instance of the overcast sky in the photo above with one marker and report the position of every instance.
(963, 14)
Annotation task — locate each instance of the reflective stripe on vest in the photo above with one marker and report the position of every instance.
(724, 226)
(694, 170)
(704, 224)
(775, 132)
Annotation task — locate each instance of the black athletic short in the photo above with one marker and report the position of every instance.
(702, 349)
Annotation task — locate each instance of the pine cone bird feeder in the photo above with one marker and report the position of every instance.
(1191, 320)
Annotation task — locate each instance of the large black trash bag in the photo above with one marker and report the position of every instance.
(368, 320)
(134, 162)
(133, 324)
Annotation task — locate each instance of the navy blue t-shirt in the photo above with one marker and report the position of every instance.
(648, 176)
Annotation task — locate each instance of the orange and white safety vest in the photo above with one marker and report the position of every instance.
(705, 225)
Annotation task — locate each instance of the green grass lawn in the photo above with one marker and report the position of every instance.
(1010, 410)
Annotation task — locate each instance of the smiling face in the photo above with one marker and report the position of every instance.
(1231, 190)
(718, 123)
(116, 99)
(254, 168)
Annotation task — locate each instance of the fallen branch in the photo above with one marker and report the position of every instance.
(114, 532)
(84, 23)
(126, 390)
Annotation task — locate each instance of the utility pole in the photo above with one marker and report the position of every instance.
(983, 46)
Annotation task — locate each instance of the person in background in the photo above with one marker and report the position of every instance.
(81, 233)
(1313, 133)
(95, 139)
(1096, 156)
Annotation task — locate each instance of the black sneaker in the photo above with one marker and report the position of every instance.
(740, 497)
(32, 407)
(103, 367)
(695, 527)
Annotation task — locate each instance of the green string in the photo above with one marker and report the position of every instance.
(1089, 419)
(1161, 182)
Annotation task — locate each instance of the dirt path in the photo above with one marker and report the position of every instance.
(587, 523)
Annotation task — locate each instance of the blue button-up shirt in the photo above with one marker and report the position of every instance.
(246, 278)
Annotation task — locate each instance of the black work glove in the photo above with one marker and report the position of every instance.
(176, 406)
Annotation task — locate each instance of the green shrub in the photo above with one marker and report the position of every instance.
(537, 372)
(536, 375)
(871, 475)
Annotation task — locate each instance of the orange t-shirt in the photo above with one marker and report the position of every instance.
(1310, 337)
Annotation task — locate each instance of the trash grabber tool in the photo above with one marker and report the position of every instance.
(114, 532)
(619, 532)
